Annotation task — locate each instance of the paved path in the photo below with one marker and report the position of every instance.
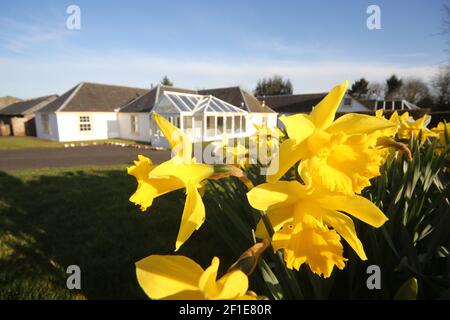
(77, 156)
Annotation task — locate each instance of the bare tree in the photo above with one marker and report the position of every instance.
(376, 90)
(441, 88)
(414, 90)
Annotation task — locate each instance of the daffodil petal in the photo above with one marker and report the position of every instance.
(193, 215)
(275, 195)
(289, 154)
(357, 206)
(148, 189)
(345, 227)
(194, 172)
(316, 170)
(323, 113)
(298, 126)
(353, 123)
(164, 276)
(178, 140)
(277, 217)
(231, 286)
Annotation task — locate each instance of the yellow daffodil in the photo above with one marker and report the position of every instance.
(232, 154)
(290, 202)
(180, 278)
(310, 242)
(388, 132)
(440, 130)
(180, 172)
(340, 155)
(410, 128)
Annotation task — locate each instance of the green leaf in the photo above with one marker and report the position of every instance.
(408, 291)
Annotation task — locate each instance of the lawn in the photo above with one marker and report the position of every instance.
(50, 219)
(14, 143)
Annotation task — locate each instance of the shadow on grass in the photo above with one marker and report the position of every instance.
(48, 222)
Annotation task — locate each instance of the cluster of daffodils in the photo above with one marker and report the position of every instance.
(334, 161)
(319, 167)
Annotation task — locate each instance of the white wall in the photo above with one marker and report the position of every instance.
(104, 126)
(124, 120)
(53, 134)
(354, 107)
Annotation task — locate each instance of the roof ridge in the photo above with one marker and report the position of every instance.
(244, 98)
(290, 95)
(138, 98)
(63, 105)
(111, 85)
(218, 88)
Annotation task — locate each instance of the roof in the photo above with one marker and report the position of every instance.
(294, 103)
(94, 97)
(147, 101)
(238, 97)
(7, 100)
(27, 106)
(196, 103)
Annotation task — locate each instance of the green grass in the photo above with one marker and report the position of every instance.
(50, 219)
(14, 143)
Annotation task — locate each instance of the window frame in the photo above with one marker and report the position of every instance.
(85, 123)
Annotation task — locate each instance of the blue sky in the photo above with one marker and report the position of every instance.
(215, 43)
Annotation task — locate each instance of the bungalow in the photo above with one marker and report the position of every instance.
(95, 111)
(20, 116)
(303, 103)
(88, 111)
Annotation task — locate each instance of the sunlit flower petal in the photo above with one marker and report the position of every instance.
(180, 278)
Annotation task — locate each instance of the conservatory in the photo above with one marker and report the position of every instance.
(201, 117)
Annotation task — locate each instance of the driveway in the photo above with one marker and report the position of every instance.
(77, 156)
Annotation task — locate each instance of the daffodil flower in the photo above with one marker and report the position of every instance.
(310, 242)
(180, 278)
(440, 130)
(291, 202)
(180, 172)
(410, 128)
(340, 156)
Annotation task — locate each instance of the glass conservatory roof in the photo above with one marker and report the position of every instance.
(194, 103)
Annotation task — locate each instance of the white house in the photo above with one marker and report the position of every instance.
(95, 111)
(86, 112)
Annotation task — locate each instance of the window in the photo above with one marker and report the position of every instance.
(229, 125)
(45, 123)
(237, 124)
(210, 126)
(243, 124)
(134, 124)
(85, 123)
(347, 102)
(219, 125)
(187, 124)
(264, 120)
